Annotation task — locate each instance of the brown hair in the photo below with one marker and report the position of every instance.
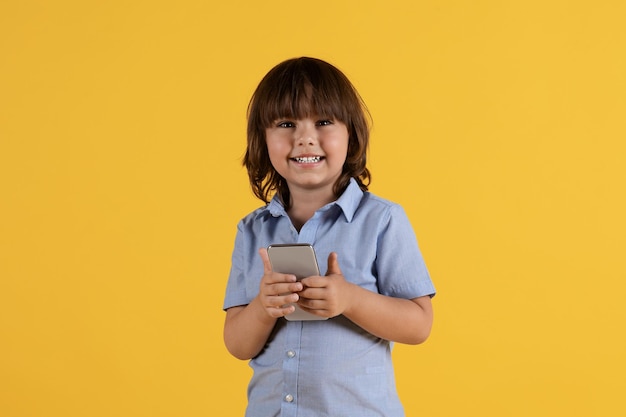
(300, 88)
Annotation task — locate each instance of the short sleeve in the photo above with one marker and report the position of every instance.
(236, 287)
(400, 267)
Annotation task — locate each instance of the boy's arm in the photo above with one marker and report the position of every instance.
(396, 319)
(247, 328)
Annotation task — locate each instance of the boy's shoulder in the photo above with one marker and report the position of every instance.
(256, 213)
(373, 200)
(373, 208)
(271, 210)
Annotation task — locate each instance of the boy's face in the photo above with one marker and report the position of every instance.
(308, 153)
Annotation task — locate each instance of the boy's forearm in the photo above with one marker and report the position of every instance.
(395, 319)
(247, 329)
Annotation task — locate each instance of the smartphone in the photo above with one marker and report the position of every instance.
(297, 259)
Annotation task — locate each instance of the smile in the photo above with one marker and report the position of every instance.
(307, 159)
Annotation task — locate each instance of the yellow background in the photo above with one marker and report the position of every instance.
(498, 125)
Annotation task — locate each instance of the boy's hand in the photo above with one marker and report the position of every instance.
(276, 290)
(327, 296)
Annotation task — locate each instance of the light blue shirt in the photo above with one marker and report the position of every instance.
(331, 367)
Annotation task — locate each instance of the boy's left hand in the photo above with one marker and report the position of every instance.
(327, 296)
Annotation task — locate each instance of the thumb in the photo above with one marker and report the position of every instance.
(333, 264)
(267, 265)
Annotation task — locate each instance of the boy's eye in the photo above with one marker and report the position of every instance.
(285, 124)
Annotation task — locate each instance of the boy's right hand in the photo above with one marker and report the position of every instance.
(277, 290)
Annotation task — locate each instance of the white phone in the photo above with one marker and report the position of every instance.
(298, 259)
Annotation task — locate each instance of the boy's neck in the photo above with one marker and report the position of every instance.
(305, 204)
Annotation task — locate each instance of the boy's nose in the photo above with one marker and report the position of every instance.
(305, 140)
(306, 135)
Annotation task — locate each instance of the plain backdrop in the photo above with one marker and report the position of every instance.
(498, 125)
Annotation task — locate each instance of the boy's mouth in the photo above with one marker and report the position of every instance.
(307, 159)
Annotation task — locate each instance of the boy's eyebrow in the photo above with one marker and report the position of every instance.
(314, 117)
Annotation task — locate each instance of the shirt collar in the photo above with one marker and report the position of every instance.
(350, 199)
(348, 202)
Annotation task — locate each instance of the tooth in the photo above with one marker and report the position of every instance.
(308, 159)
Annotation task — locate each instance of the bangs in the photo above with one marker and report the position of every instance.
(299, 102)
(305, 89)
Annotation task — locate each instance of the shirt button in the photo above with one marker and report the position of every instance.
(291, 354)
(289, 398)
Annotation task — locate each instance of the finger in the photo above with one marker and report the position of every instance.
(280, 311)
(333, 264)
(280, 301)
(312, 304)
(282, 288)
(281, 306)
(267, 265)
(314, 282)
(313, 293)
(288, 310)
(316, 311)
